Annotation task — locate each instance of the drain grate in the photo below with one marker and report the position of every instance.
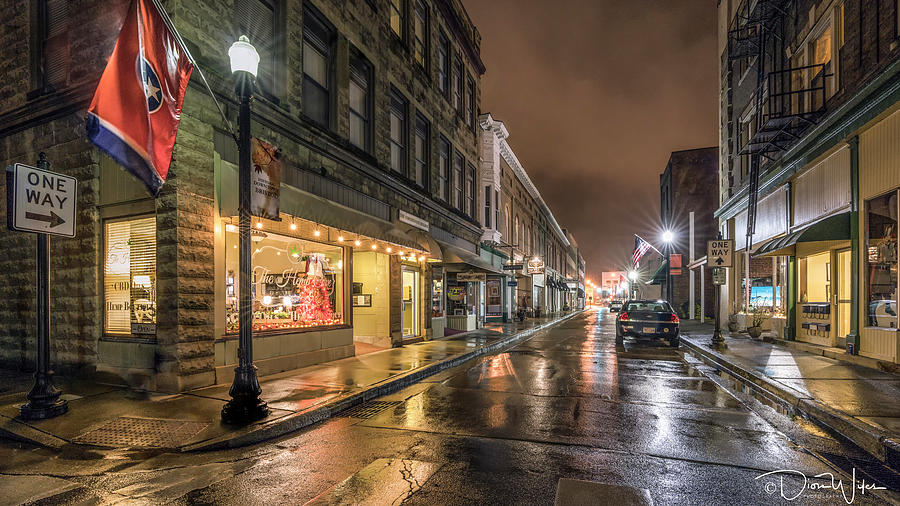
(127, 432)
(369, 409)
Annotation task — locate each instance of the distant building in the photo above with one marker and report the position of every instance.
(687, 204)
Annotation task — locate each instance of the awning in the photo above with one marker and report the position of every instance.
(833, 228)
(453, 255)
(306, 206)
(426, 242)
(658, 277)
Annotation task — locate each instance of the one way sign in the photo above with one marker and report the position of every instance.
(720, 253)
(41, 201)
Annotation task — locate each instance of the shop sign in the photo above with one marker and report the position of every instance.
(512, 283)
(535, 266)
(718, 275)
(415, 221)
(265, 179)
(675, 264)
(41, 201)
(456, 293)
(720, 253)
(470, 277)
(513, 267)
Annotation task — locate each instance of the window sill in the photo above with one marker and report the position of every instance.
(129, 338)
(233, 336)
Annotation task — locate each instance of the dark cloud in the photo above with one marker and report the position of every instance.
(596, 94)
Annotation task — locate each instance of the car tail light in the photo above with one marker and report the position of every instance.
(674, 318)
(623, 317)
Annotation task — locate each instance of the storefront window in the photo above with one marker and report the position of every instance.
(493, 292)
(129, 276)
(437, 292)
(881, 261)
(460, 297)
(295, 283)
(815, 278)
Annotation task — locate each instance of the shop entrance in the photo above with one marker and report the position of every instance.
(410, 302)
(844, 294)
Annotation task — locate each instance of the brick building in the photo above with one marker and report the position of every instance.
(373, 104)
(686, 209)
(808, 179)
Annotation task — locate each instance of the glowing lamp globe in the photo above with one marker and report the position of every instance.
(243, 56)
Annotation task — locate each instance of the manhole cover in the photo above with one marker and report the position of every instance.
(369, 409)
(127, 431)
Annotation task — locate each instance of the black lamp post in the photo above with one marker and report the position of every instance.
(668, 237)
(245, 404)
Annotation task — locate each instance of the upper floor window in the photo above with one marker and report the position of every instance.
(421, 151)
(317, 57)
(397, 17)
(516, 232)
(52, 61)
(487, 207)
(470, 102)
(420, 34)
(360, 102)
(398, 132)
(444, 170)
(458, 183)
(497, 208)
(457, 84)
(506, 230)
(256, 20)
(443, 65)
(470, 191)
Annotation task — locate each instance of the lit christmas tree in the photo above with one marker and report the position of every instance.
(315, 304)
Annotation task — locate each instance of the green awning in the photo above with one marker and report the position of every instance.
(832, 228)
(658, 277)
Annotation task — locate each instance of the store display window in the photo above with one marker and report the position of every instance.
(881, 261)
(129, 276)
(295, 283)
(437, 292)
(493, 297)
(460, 297)
(815, 278)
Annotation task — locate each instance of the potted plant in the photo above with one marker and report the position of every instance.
(732, 323)
(756, 321)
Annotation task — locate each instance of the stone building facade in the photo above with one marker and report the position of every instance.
(373, 105)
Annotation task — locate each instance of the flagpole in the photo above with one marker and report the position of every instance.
(171, 26)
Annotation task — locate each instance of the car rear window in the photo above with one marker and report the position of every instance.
(656, 307)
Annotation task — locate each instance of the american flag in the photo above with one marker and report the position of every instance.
(641, 247)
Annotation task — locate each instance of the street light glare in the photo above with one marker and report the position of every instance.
(243, 56)
(633, 275)
(668, 236)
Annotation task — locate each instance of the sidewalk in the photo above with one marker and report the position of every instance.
(860, 403)
(113, 416)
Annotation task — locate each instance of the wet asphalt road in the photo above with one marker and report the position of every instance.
(501, 429)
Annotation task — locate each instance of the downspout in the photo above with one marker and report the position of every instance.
(853, 336)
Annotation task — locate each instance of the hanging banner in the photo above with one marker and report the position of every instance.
(675, 264)
(265, 179)
(535, 266)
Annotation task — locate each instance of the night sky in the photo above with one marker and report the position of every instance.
(595, 95)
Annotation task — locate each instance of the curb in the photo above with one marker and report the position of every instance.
(296, 421)
(877, 443)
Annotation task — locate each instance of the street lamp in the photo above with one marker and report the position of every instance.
(633, 276)
(245, 404)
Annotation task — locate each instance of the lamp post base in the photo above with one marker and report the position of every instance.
(717, 341)
(43, 400)
(245, 405)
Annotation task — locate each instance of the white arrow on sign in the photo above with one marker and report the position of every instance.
(42, 201)
(720, 252)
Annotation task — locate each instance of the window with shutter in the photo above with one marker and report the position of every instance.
(421, 150)
(256, 20)
(55, 57)
(360, 98)
(317, 57)
(444, 170)
(129, 276)
(398, 132)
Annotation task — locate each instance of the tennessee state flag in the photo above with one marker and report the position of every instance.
(136, 108)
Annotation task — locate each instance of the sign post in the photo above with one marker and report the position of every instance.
(42, 202)
(719, 255)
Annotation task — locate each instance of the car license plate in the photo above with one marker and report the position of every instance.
(649, 330)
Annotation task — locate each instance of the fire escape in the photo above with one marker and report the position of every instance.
(788, 100)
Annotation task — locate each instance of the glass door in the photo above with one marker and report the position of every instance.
(843, 294)
(410, 302)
